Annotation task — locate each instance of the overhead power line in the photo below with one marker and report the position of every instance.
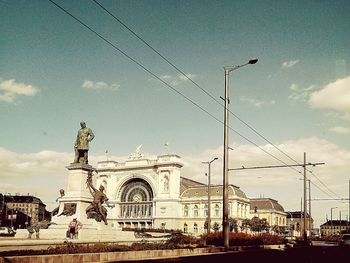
(190, 79)
(172, 88)
(273, 166)
(205, 91)
(157, 77)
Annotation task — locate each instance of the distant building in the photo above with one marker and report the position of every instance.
(295, 222)
(334, 227)
(23, 210)
(272, 211)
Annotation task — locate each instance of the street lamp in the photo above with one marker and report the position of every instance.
(209, 209)
(225, 222)
(291, 219)
(332, 219)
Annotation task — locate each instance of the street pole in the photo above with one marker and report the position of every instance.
(332, 219)
(304, 227)
(225, 223)
(225, 177)
(331, 222)
(301, 215)
(310, 223)
(209, 205)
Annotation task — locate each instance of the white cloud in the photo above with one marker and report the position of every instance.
(300, 94)
(340, 130)
(10, 90)
(255, 102)
(177, 80)
(165, 77)
(189, 75)
(334, 96)
(290, 63)
(99, 85)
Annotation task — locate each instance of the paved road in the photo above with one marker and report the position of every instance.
(292, 255)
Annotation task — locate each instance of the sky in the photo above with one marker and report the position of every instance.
(54, 73)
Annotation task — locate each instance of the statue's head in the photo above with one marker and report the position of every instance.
(82, 124)
(62, 192)
(102, 188)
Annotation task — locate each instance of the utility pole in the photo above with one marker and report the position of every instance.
(225, 229)
(310, 223)
(225, 224)
(304, 219)
(209, 206)
(301, 216)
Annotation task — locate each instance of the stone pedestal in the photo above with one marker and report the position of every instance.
(77, 197)
(73, 205)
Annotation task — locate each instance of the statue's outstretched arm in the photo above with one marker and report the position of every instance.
(89, 182)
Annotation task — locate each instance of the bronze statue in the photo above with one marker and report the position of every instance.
(95, 209)
(69, 209)
(81, 147)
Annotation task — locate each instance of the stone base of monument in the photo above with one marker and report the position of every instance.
(74, 205)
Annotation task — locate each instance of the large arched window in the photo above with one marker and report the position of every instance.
(136, 190)
(136, 198)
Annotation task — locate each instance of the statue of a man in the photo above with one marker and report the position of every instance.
(81, 147)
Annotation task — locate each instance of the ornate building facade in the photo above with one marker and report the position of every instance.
(152, 193)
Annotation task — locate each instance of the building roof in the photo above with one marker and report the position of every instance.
(215, 190)
(186, 183)
(296, 214)
(335, 223)
(22, 199)
(265, 204)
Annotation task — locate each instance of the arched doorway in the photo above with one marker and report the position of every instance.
(135, 204)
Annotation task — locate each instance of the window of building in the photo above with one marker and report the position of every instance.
(206, 210)
(185, 228)
(195, 228)
(186, 211)
(195, 211)
(216, 209)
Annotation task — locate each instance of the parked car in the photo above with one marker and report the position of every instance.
(7, 232)
(345, 240)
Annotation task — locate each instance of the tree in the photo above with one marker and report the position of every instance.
(216, 226)
(206, 225)
(258, 225)
(245, 224)
(233, 224)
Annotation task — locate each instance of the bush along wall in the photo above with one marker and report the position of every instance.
(242, 239)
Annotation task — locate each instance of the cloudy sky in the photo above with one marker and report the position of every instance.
(55, 73)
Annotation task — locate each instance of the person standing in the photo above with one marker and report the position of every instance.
(81, 146)
(73, 228)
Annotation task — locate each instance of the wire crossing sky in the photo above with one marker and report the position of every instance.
(55, 73)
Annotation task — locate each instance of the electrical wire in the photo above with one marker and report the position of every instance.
(175, 90)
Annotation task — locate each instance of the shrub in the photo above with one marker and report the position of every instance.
(154, 230)
(243, 239)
